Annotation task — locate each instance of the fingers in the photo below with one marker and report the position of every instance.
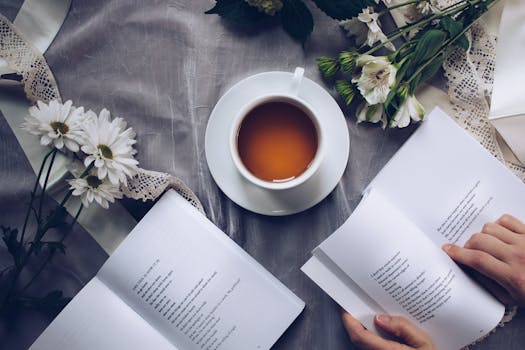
(366, 339)
(511, 223)
(489, 244)
(500, 232)
(481, 262)
(403, 329)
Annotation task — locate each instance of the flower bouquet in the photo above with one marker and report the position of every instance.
(102, 157)
(384, 85)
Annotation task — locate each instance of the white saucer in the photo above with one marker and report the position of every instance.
(276, 202)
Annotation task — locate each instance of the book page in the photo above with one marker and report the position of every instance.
(447, 183)
(336, 283)
(97, 319)
(195, 285)
(406, 274)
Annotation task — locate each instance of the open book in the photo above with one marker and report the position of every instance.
(176, 282)
(440, 187)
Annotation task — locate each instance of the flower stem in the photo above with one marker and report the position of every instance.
(446, 44)
(33, 195)
(52, 253)
(42, 194)
(452, 9)
(403, 4)
(40, 230)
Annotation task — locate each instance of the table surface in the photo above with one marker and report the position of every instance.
(162, 65)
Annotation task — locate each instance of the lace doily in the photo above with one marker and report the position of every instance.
(40, 84)
(470, 77)
(37, 79)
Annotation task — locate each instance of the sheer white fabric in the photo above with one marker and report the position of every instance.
(469, 82)
(40, 84)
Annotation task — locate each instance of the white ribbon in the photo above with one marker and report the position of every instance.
(39, 21)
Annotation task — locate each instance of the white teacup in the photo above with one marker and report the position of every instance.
(292, 100)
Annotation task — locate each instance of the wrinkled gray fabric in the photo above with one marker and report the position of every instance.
(162, 65)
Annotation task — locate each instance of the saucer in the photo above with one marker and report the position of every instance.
(276, 202)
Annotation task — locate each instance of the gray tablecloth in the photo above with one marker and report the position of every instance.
(163, 64)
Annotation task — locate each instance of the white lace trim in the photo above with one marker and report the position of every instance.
(40, 84)
(149, 184)
(470, 77)
(37, 79)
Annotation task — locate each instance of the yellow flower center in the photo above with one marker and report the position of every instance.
(93, 181)
(60, 127)
(106, 151)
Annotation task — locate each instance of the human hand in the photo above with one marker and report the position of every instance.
(411, 336)
(498, 252)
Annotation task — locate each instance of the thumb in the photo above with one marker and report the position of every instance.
(403, 329)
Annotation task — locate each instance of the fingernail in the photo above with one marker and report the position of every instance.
(383, 319)
(446, 247)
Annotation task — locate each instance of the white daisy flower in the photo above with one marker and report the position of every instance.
(109, 145)
(377, 77)
(375, 34)
(411, 109)
(56, 123)
(92, 188)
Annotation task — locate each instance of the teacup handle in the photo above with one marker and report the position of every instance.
(296, 81)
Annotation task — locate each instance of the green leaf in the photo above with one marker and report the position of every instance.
(390, 97)
(10, 238)
(57, 217)
(297, 19)
(429, 44)
(401, 72)
(451, 26)
(414, 84)
(343, 9)
(238, 11)
(453, 29)
(430, 70)
(462, 42)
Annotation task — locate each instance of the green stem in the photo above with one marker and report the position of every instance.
(52, 253)
(75, 219)
(40, 231)
(446, 44)
(403, 4)
(452, 9)
(33, 193)
(42, 195)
